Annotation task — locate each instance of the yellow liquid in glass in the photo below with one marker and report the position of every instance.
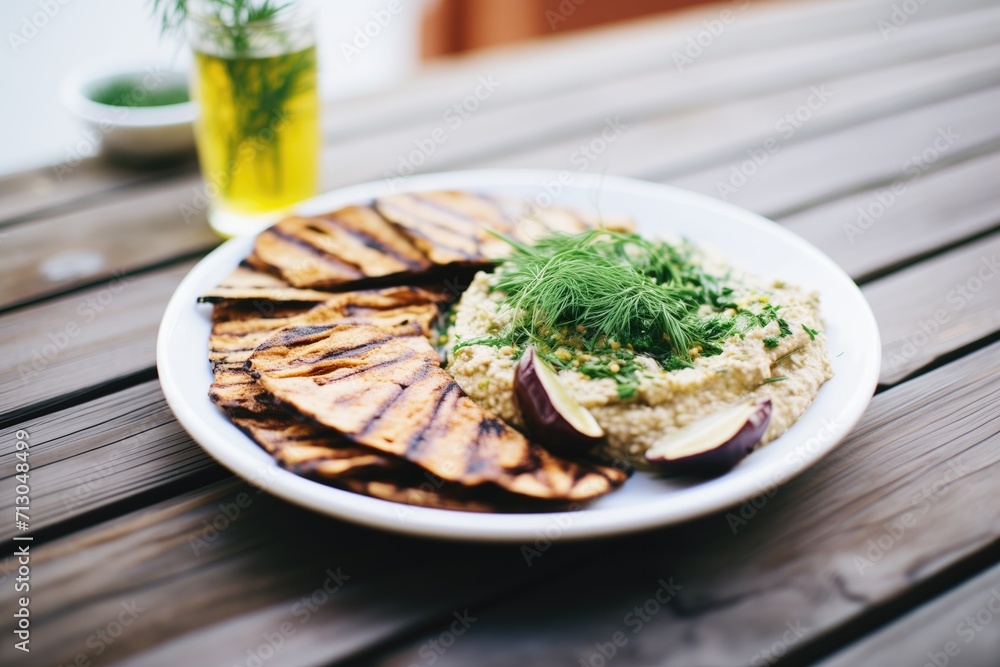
(258, 131)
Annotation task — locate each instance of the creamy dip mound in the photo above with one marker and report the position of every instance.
(787, 367)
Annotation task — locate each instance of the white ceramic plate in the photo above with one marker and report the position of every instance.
(645, 501)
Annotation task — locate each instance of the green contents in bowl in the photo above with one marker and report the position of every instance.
(124, 93)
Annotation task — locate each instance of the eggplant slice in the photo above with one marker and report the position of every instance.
(351, 244)
(387, 391)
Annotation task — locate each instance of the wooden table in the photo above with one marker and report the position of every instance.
(871, 131)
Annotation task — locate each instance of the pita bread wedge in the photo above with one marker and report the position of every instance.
(348, 245)
(239, 327)
(387, 391)
(451, 227)
(249, 283)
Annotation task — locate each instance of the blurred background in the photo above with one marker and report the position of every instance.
(47, 40)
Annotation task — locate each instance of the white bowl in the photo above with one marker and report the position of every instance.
(133, 134)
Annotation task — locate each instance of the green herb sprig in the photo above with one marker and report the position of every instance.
(609, 296)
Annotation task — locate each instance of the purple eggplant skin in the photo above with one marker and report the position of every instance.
(723, 457)
(542, 418)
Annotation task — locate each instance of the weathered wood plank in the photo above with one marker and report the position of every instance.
(872, 230)
(921, 313)
(936, 306)
(579, 114)
(910, 494)
(841, 163)
(88, 338)
(794, 560)
(148, 224)
(958, 628)
(268, 578)
(574, 60)
(101, 451)
(48, 256)
(688, 142)
(116, 323)
(28, 193)
(586, 58)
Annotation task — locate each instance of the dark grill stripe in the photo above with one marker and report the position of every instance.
(342, 264)
(421, 373)
(292, 337)
(415, 218)
(394, 361)
(439, 245)
(375, 244)
(417, 439)
(473, 221)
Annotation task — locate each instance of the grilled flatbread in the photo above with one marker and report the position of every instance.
(298, 445)
(351, 244)
(248, 282)
(451, 227)
(387, 391)
(454, 227)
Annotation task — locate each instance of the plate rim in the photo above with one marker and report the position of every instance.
(497, 527)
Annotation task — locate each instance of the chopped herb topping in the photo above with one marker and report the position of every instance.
(812, 332)
(592, 301)
(779, 378)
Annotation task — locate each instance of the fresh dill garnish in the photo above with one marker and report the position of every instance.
(592, 301)
(616, 287)
(812, 332)
(771, 341)
(779, 378)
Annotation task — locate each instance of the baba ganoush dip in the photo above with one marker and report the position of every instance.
(768, 345)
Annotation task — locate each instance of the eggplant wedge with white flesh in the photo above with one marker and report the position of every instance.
(714, 444)
(550, 412)
(387, 391)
